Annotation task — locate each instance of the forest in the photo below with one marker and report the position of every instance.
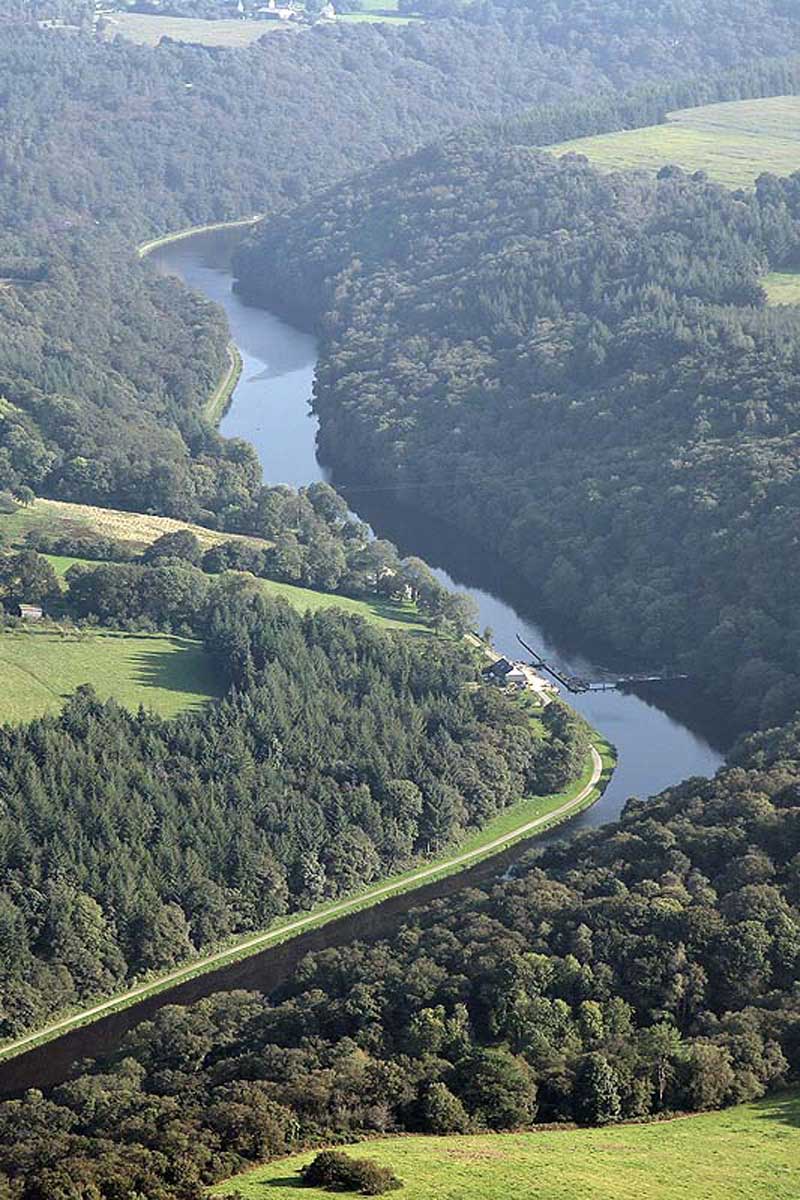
(190, 133)
(340, 754)
(643, 968)
(580, 369)
(589, 361)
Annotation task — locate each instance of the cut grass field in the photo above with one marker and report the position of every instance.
(733, 143)
(782, 287)
(751, 1152)
(39, 668)
(136, 530)
(148, 29)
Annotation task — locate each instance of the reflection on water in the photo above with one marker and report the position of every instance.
(663, 733)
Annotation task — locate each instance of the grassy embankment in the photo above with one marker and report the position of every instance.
(751, 1152)
(733, 143)
(529, 818)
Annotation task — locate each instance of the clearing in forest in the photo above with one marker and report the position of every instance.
(149, 28)
(40, 668)
(733, 143)
(751, 1152)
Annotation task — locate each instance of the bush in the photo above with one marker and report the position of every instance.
(337, 1172)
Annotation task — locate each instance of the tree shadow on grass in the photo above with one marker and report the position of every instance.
(185, 670)
(784, 1108)
(288, 1181)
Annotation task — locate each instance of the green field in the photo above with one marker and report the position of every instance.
(392, 614)
(751, 1152)
(734, 143)
(782, 287)
(148, 29)
(136, 530)
(39, 668)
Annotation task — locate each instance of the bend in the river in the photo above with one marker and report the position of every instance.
(663, 734)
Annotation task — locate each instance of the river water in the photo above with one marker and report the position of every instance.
(663, 733)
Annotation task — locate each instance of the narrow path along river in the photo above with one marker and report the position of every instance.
(663, 734)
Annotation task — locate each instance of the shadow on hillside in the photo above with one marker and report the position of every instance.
(289, 1181)
(185, 669)
(785, 1109)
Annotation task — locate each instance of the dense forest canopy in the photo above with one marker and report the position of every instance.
(643, 968)
(341, 753)
(588, 361)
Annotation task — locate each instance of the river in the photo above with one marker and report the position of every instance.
(663, 733)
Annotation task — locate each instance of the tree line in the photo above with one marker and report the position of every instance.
(639, 969)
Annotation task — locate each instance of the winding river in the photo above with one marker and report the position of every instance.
(663, 734)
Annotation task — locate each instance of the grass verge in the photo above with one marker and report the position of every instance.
(520, 822)
(751, 1152)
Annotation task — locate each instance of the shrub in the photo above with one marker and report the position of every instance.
(337, 1172)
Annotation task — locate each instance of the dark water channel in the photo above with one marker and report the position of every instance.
(663, 734)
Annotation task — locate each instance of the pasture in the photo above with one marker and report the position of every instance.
(136, 530)
(751, 1152)
(148, 29)
(39, 668)
(782, 287)
(391, 614)
(733, 143)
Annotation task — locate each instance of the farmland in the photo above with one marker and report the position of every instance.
(136, 530)
(148, 29)
(733, 143)
(39, 668)
(751, 1152)
(392, 614)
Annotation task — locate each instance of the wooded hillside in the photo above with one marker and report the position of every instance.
(580, 369)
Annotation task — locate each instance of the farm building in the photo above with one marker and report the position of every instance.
(507, 672)
(30, 612)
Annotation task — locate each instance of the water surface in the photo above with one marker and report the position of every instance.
(663, 733)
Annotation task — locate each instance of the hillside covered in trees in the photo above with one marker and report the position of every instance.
(580, 369)
(105, 368)
(644, 967)
(340, 754)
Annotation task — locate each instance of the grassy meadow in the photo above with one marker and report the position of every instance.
(392, 614)
(136, 530)
(751, 1152)
(733, 143)
(148, 29)
(782, 287)
(39, 668)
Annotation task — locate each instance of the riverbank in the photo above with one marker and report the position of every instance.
(531, 817)
(217, 404)
(179, 235)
